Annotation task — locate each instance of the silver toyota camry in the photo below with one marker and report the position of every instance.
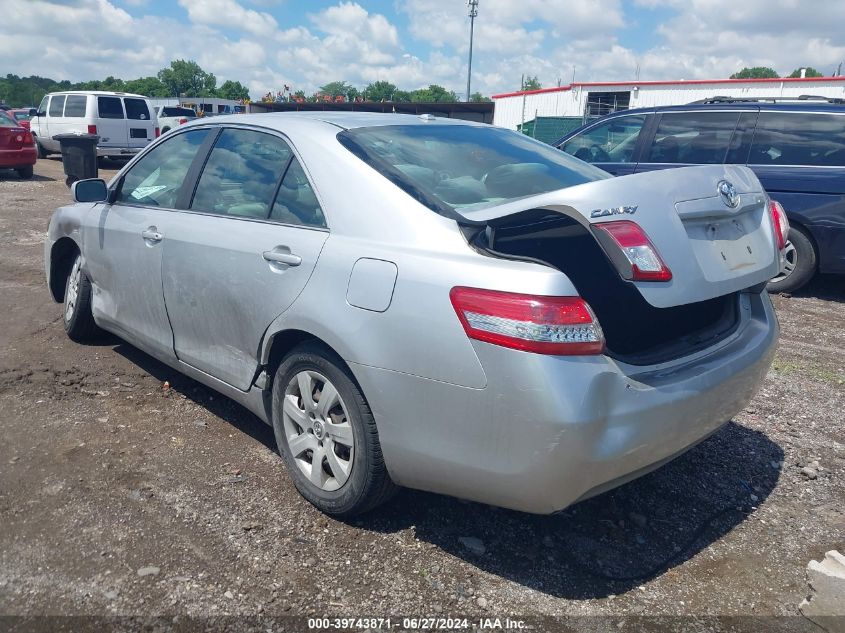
(429, 303)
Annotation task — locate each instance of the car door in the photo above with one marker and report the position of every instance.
(39, 125)
(55, 113)
(123, 243)
(111, 123)
(140, 122)
(694, 137)
(611, 144)
(242, 254)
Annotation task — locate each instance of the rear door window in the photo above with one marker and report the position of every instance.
(610, 142)
(797, 138)
(76, 106)
(692, 138)
(242, 174)
(137, 109)
(110, 107)
(57, 104)
(296, 202)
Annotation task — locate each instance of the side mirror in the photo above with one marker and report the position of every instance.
(33, 112)
(90, 190)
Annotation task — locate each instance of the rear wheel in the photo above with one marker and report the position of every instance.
(800, 264)
(77, 317)
(26, 172)
(326, 434)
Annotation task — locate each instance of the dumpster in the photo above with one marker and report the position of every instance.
(79, 156)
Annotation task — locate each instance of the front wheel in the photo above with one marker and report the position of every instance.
(327, 435)
(42, 153)
(800, 264)
(77, 317)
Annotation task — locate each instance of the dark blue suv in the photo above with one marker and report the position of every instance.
(796, 147)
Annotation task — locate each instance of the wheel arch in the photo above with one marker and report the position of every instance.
(62, 254)
(281, 342)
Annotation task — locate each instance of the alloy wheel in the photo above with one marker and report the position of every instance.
(790, 256)
(72, 293)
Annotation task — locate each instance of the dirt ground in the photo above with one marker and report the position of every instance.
(121, 497)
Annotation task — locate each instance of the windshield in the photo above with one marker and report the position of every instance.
(449, 167)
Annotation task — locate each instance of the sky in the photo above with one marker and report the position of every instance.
(266, 44)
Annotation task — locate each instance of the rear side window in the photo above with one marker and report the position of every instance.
(137, 109)
(110, 107)
(155, 180)
(57, 104)
(797, 138)
(610, 142)
(76, 106)
(242, 173)
(696, 138)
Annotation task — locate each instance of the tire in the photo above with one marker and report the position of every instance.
(352, 477)
(76, 313)
(42, 153)
(801, 263)
(164, 130)
(25, 173)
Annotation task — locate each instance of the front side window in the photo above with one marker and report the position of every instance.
(43, 106)
(76, 106)
(242, 174)
(110, 107)
(137, 109)
(449, 167)
(799, 139)
(694, 138)
(156, 179)
(57, 104)
(610, 142)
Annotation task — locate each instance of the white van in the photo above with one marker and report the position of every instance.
(126, 123)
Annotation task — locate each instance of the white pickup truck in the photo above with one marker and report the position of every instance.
(170, 117)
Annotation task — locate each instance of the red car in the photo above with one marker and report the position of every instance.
(17, 149)
(21, 116)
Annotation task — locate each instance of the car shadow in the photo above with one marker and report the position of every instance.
(606, 545)
(8, 174)
(827, 287)
(609, 544)
(181, 385)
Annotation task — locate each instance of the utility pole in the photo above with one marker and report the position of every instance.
(473, 13)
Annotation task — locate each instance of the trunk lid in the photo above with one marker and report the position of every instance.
(12, 137)
(711, 247)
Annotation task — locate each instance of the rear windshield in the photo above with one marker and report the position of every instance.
(6, 120)
(20, 115)
(137, 109)
(185, 112)
(448, 167)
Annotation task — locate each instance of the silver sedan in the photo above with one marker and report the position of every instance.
(429, 303)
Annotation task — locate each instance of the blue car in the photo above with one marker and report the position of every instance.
(796, 147)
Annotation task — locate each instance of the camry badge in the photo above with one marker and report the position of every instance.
(728, 194)
(600, 213)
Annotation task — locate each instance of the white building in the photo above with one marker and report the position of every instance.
(593, 99)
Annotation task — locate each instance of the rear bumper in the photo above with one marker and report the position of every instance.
(13, 158)
(548, 431)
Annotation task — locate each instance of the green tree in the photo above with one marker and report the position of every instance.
(380, 91)
(336, 88)
(477, 97)
(531, 83)
(433, 94)
(186, 77)
(233, 90)
(401, 96)
(758, 72)
(811, 72)
(147, 86)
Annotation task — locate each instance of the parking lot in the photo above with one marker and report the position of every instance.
(126, 488)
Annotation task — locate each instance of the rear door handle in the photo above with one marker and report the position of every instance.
(152, 235)
(282, 257)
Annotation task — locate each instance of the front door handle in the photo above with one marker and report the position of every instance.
(152, 235)
(282, 257)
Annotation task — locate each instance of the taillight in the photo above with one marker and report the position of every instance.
(646, 263)
(182, 121)
(531, 323)
(780, 223)
(92, 129)
(158, 132)
(27, 137)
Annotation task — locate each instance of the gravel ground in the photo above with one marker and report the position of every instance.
(119, 496)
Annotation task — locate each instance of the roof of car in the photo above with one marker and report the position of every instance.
(807, 105)
(345, 120)
(105, 93)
